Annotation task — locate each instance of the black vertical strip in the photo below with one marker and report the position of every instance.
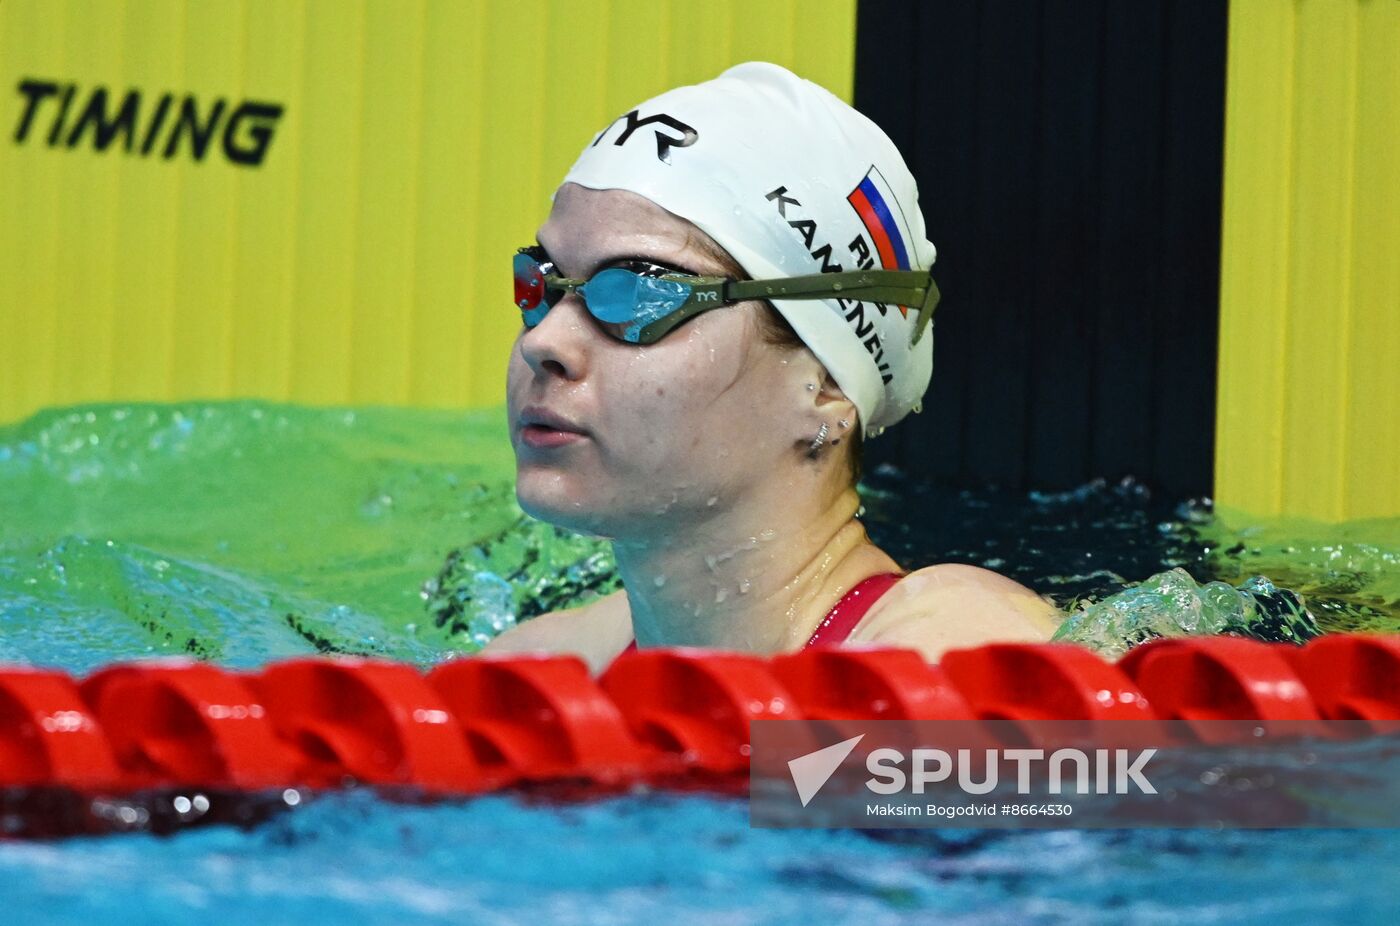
(1186, 339)
(1002, 245)
(946, 147)
(1128, 262)
(1068, 155)
(1066, 238)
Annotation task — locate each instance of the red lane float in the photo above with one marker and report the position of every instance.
(371, 721)
(48, 735)
(694, 706)
(1219, 678)
(536, 718)
(868, 684)
(177, 724)
(1351, 677)
(1020, 681)
(483, 723)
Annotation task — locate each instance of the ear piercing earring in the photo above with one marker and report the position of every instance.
(817, 442)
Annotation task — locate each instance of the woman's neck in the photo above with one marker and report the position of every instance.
(759, 580)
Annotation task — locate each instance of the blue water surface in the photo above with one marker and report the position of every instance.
(355, 857)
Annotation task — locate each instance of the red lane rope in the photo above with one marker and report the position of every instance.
(483, 723)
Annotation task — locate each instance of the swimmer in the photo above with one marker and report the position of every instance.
(730, 294)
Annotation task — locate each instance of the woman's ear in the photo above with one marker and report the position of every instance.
(832, 401)
(828, 418)
(822, 398)
(838, 413)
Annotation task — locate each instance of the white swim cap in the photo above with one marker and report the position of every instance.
(790, 181)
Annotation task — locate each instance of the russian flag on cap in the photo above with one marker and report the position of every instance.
(884, 220)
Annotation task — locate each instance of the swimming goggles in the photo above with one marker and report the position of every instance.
(641, 303)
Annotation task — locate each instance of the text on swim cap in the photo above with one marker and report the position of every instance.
(854, 312)
(664, 142)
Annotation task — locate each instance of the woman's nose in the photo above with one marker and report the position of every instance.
(558, 345)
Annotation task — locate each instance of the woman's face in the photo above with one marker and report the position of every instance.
(608, 435)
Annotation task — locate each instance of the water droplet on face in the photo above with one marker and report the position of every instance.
(744, 586)
(714, 499)
(721, 593)
(659, 580)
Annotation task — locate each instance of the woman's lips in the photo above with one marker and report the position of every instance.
(542, 437)
(542, 428)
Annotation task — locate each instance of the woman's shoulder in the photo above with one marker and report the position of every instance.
(595, 632)
(954, 605)
(961, 576)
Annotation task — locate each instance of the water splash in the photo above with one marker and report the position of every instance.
(528, 569)
(1172, 604)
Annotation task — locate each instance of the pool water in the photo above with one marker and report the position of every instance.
(245, 532)
(353, 858)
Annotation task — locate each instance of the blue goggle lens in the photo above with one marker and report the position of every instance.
(622, 301)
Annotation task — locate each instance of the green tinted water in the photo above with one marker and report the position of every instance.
(245, 531)
(242, 531)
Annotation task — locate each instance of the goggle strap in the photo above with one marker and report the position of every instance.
(903, 287)
(926, 311)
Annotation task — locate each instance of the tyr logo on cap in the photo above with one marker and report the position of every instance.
(664, 142)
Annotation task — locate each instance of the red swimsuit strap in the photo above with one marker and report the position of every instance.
(836, 627)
